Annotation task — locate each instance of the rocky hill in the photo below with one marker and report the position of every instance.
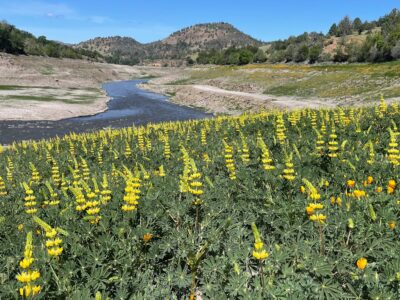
(116, 49)
(107, 45)
(201, 37)
(209, 36)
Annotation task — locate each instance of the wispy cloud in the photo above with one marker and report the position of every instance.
(47, 10)
(142, 33)
(69, 24)
(36, 9)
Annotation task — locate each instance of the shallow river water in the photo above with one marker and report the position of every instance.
(129, 105)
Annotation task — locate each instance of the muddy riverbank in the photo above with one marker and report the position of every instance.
(129, 105)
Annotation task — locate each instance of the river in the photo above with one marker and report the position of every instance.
(129, 105)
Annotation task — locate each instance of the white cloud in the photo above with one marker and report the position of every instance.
(142, 33)
(48, 10)
(36, 9)
(73, 26)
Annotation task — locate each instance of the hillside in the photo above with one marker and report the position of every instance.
(209, 36)
(123, 50)
(180, 44)
(16, 41)
(350, 40)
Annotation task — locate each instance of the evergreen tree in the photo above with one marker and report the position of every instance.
(345, 26)
(333, 31)
(358, 25)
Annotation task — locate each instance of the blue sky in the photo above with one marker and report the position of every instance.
(77, 20)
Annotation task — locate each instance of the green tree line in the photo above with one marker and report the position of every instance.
(231, 56)
(15, 41)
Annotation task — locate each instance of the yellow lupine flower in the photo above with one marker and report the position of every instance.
(351, 183)
(23, 277)
(27, 290)
(26, 277)
(51, 233)
(392, 183)
(392, 225)
(359, 194)
(319, 218)
(93, 211)
(26, 262)
(362, 263)
(309, 210)
(258, 245)
(147, 237)
(260, 255)
(55, 251)
(259, 252)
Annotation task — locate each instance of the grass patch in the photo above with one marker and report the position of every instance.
(179, 82)
(329, 81)
(147, 77)
(171, 94)
(78, 100)
(20, 87)
(46, 70)
(9, 87)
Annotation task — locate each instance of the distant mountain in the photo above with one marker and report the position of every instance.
(211, 36)
(107, 45)
(180, 44)
(116, 49)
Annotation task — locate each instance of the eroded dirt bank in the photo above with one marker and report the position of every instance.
(39, 88)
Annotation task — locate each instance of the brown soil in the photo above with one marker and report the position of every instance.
(74, 85)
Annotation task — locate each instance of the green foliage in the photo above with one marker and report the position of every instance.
(301, 54)
(15, 41)
(211, 244)
(260, 56)
(380, 44)
(116, 58)
(314, 54)
(345, 27)
(231, 56)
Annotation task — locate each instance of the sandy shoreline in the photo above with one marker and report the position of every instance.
(54, 111)
(41, 88)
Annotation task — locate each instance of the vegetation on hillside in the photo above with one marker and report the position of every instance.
(231, 56)
(342, 82)
(265, 206)
(179, 45)
(15, 41)
(348, 41)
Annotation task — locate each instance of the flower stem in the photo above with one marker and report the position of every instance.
(262, 277)
(321, 239)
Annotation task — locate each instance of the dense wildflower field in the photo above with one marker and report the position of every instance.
(303, 204)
